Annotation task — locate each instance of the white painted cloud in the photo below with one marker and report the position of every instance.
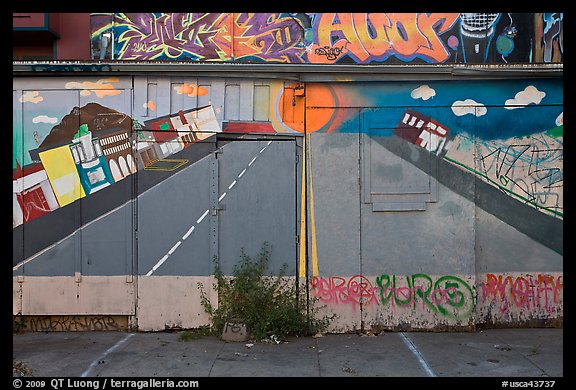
(530, 95)
(31, 97)
(44, 119)
(423, 92)
(468, 106)
(560, 119)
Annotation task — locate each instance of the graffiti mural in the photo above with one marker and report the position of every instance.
(202, 36)
(496, 297)
(85, 148)
(521, 296)
(88, 149)
(329, 38)
(549, 37)
(346, 291)
(479, 130)
(448, 296)
(62, 154)
(531, 171)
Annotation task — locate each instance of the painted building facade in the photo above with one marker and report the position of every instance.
(403, 186)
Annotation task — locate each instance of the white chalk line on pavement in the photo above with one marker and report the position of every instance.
(417, 353)
(106, 353)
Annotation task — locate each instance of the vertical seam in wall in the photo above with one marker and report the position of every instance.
(135, 227)
(359, 143)
(20, 94)
(474, 225)
(307, 141)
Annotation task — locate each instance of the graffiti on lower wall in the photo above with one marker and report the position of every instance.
(344, 291)
(448, 296)
(329, 38)
(499, 297)
(528, 293)
(74, 323)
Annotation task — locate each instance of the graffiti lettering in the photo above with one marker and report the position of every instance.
(499, 296)
(533, 171)
(541, 292)
(449, 295)
(71, 323)
(376, 36)
(308, 37)
(336, 289)
(268, 37)
(234, 327)
(146, 36)
(139, 46)
(331, 53)
(209, 36)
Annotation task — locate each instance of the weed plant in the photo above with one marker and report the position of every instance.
(268, 304)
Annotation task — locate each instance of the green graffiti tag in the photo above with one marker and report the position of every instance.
(449, 296)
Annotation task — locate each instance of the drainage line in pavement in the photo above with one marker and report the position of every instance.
(415, 351)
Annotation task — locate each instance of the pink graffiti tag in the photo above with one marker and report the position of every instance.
(520, 292)
(336, 289)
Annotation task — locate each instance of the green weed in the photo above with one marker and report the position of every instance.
(269, 305)
(193, 334)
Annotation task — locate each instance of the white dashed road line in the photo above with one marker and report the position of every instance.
(203, 216)
(185, 236)
(189, 232)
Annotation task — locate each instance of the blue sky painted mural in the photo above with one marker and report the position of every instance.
(489, 110)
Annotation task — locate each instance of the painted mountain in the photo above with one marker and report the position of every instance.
(97, 117)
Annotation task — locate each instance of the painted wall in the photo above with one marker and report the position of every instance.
(451, 178)
(430, 205)
(69, 46)
(52, 36)
(330, 38)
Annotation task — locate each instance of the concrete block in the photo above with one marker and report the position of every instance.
(235, 331)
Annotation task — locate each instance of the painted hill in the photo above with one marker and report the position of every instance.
(97, 117)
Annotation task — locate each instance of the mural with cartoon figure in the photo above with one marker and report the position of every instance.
(330, 38)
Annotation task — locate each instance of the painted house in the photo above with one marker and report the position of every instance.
(174, 132)
(116, 146)
(90, 161)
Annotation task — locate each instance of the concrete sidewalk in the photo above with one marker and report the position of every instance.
(536, 353)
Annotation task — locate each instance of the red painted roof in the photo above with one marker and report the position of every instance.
(248, 127)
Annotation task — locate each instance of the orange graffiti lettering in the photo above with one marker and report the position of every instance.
(375, 36)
